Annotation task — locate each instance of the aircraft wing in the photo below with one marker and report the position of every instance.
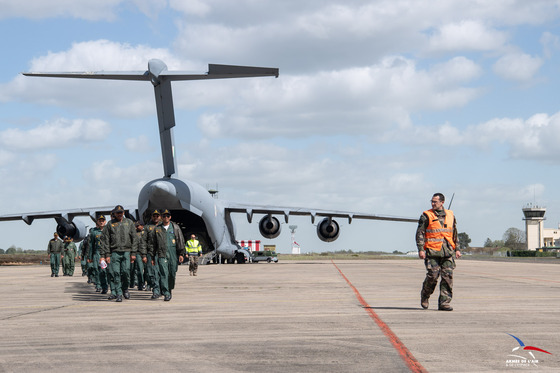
(67, 215)
(66, 225)
(250, 210)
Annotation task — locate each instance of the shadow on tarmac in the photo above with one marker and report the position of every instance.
(84, 292)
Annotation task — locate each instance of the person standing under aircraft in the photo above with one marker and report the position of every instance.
(168, 248)
(119, 246)
(436, 239)
(54, 249)
(138, 271)
(194, 250)
(83, 255)
(152, 271)
(98, 274)
(69, 254)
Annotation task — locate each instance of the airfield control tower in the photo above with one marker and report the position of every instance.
(534, 218)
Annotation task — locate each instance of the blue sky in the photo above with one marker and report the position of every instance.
(379, 104)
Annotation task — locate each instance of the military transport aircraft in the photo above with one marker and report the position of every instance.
(191, 205)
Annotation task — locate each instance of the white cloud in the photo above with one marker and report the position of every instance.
(533, 138)
(467, 35)
(125, 98)
(354, 100)
(138, 144)
(330, 35)
(6, 157)
(315, 175)
(194, 7)
(55, 134)
(22, 172)
(550, 43)
(92, 10)
(97, 55)
(518, 67)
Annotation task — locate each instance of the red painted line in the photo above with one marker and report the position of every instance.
(405, 354)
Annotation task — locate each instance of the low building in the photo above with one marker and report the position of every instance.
(537, 236)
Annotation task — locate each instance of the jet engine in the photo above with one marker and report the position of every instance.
(328, 230)
(75, 229)
(269, 227)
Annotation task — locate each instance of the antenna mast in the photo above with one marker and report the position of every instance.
(295, 245)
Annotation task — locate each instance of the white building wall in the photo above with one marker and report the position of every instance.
(551, 236)
(534, 230)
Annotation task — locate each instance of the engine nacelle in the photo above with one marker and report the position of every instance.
(75, 229)
(328, 230)
(269, 227)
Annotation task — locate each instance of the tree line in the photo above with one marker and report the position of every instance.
(18, 250)
(513, 239)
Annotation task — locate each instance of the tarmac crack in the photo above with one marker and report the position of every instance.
(32, 312)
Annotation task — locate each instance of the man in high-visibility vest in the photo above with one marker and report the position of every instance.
(436, 239)
(194, 251)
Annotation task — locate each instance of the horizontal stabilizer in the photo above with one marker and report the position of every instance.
(133, 75)
(158, 71)
(214, 69)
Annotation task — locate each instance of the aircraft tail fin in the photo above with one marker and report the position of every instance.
(161, 79)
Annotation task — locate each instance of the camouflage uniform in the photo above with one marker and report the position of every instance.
(438, 263)
(119, 242)
(54, 249)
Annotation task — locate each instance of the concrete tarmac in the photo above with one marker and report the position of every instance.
(293, 316)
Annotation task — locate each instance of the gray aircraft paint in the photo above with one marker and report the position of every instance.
(191, 205)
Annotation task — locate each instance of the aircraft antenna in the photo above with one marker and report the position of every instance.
(295, 245)
(450, 202)
(213, 191)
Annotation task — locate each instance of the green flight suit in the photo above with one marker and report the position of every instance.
(54, 249)
(69, 253)
(83, 255)
(98, 275)
(153, 273)
(168, 245)
(138, 272)
(119, 242)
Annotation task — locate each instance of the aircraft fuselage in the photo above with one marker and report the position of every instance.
(194, 209)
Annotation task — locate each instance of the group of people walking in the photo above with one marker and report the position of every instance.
(123, 254)
(62, 252)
